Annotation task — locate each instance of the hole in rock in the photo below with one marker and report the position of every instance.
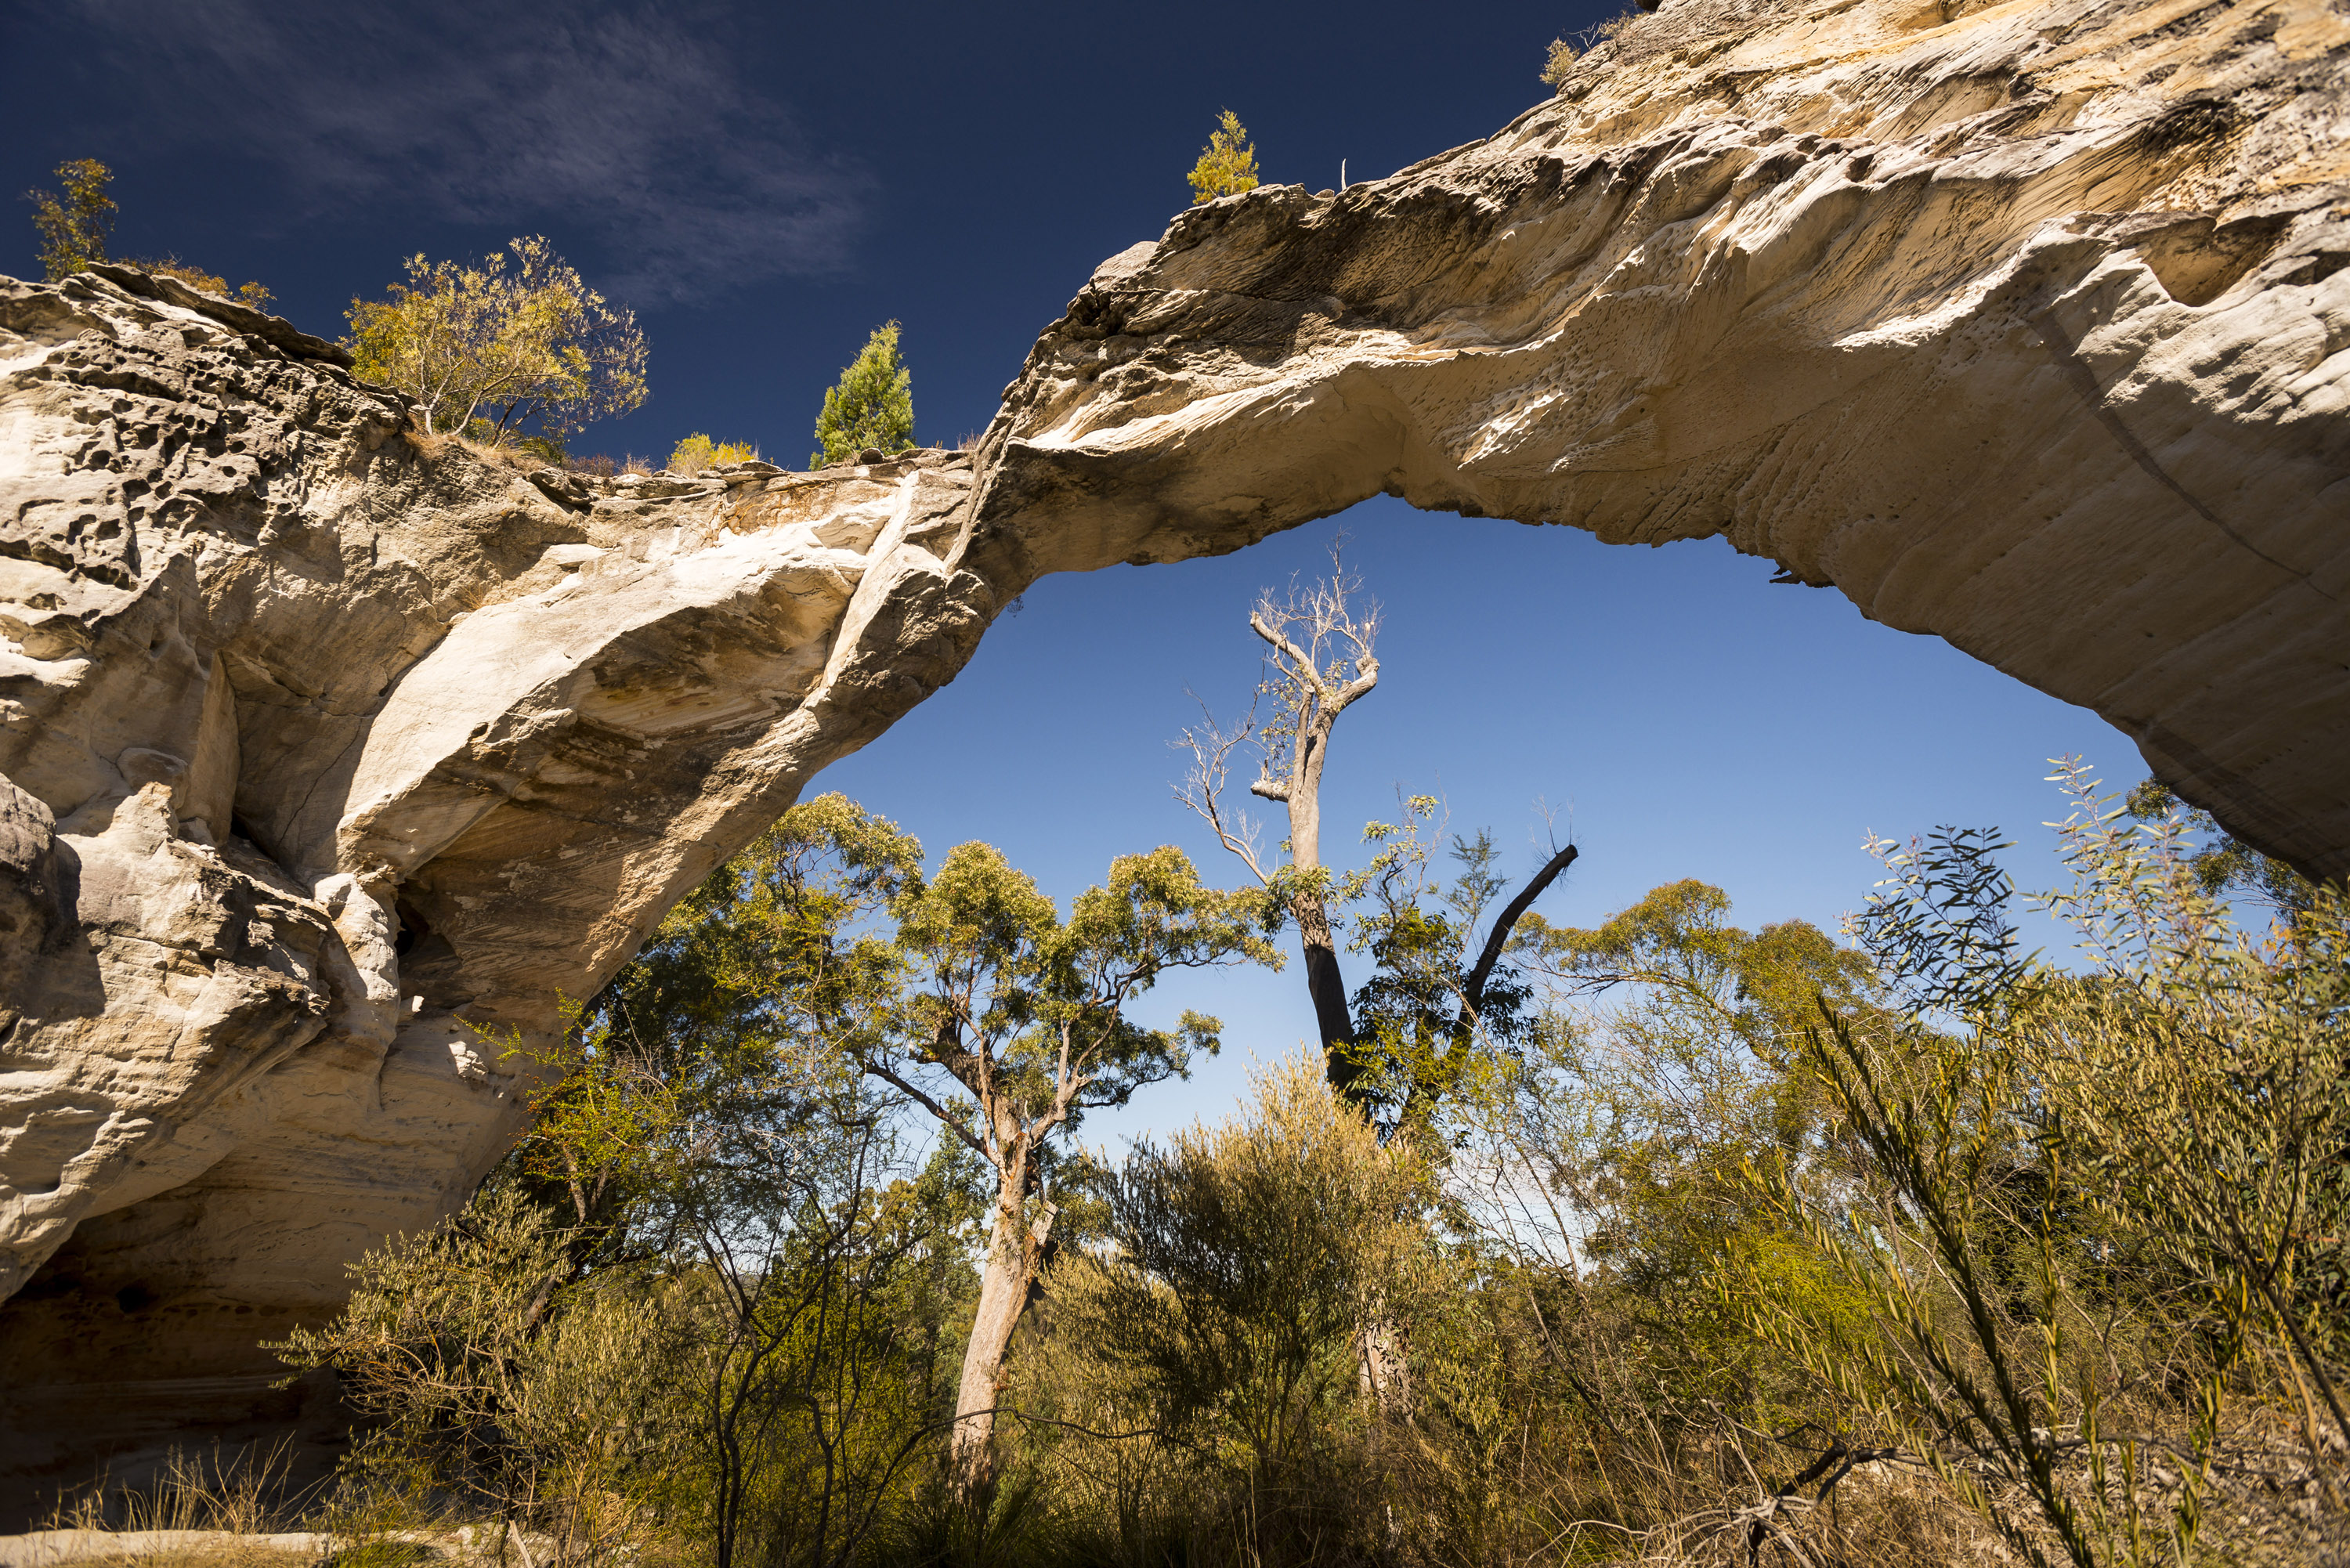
(414, 927)
(134, 1298)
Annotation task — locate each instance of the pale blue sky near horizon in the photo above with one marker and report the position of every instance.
(767, 183)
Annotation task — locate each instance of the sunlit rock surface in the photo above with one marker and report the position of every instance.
(332, 765)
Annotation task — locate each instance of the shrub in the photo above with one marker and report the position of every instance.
(496, 1375)
(698, 451)
(2104, 1251)
(1263, 1273)
(196, 277)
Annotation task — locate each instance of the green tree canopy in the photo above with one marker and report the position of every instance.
(872, 407)
(517, 341)
(2223, 864)
(74, 220)
(1227, 165)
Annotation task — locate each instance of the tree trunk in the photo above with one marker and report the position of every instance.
(1323, 983)
(1328, 988)
(1013, 1251)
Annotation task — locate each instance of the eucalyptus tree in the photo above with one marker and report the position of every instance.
(709, 1121)
(1444, 983)
(968, 995)
(1025, 1015)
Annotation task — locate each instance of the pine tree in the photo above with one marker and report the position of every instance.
(873, 406)
(1227, 165)
(74, 230)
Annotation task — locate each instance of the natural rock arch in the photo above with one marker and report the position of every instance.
(2024, 325)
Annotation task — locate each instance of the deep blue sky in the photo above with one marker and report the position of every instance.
(764, 184)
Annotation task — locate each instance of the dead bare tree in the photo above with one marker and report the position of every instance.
(1311, 635)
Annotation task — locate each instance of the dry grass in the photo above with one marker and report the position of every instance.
(201, 1510)
(1616, 26)
(604, 466)
(215, 1511)
(1572, 47)
(431, 444)
(230, 1553)
(239, 1494)
(251, 293)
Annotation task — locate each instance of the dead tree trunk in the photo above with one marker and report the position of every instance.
(1312, 637)
(1314, 699)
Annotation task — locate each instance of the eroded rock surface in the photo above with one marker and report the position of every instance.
(332, 764)
(332, 767)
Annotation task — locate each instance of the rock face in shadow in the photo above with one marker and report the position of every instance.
(333, 764)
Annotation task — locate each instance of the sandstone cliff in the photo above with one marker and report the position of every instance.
(332, 764)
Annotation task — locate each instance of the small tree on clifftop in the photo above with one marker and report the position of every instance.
(1228, 163)
(872, 407)
(508, 348)
(74, 220)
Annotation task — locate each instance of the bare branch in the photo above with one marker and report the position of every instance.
(1508, 921)
(1202, 790)
(946, 1120)
(1290, 660)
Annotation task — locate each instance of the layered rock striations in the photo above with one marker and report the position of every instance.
(333, 762)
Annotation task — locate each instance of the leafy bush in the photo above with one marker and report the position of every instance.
(1252, 1311)
(507, 1382)
(2105, 1262)
(698, 451)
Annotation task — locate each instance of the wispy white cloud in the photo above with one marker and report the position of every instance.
(636, 132)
